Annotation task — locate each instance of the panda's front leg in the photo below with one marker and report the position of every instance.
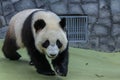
(60, 64)
(40, 62)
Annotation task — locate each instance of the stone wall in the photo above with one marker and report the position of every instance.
(104, 18)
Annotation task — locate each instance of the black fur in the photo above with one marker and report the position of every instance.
(60, 64)
(39, 24)
(46, 44)
(59, 44)
(63, 23)
(39, 60)
(9, 47)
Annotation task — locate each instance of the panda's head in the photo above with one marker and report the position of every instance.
(49, 35)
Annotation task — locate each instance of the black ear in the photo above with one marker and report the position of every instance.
(63, 23)
(39, 24)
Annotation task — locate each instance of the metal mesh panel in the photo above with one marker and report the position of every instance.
(76, 27)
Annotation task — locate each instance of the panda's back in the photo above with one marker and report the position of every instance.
(16, 25)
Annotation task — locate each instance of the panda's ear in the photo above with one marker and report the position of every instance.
(39, 24)
(63, 23)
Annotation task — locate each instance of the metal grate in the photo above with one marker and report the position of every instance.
(76, 28)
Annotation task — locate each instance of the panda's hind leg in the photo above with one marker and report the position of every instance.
(9, 49)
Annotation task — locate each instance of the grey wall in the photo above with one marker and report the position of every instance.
(104, 18)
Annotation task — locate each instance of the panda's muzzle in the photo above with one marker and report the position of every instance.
(52, 51)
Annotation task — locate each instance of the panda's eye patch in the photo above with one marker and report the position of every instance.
(59, 44)
(46, 44)
(39, 24)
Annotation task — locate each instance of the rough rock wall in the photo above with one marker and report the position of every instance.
(104, 18)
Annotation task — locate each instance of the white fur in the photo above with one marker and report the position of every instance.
(16, 24)
(52, 50)
(52, 30)
(52, 36)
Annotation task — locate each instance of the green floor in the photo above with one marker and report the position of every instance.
(84, 65)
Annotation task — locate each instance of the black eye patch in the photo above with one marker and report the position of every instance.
(46, 44)
(39, 24)
(59, 44)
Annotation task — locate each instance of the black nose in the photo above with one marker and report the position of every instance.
(52, 55)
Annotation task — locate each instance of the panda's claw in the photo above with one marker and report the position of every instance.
(48, 73)
(31, 63)
(60, 73)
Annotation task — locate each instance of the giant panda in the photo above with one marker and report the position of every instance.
(42, 33)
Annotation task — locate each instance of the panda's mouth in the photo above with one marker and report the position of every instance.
(52, 56)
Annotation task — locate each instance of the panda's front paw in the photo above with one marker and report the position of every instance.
(60, 71)
(48, 73)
